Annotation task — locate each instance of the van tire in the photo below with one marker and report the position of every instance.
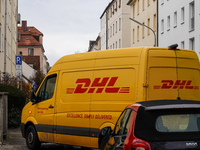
(104, 142)
(32, 140)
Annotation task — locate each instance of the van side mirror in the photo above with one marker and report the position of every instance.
(33, 97)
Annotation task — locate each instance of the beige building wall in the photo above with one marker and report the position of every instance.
(144, 11)
(8, 35)
(118, 35)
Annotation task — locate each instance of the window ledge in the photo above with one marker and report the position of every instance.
(191, 30)
(182, 22)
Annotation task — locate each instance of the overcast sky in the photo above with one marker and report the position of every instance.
(67, 25)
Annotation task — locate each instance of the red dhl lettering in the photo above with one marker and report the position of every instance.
(99, 85)
(89, 116)
(179, 84)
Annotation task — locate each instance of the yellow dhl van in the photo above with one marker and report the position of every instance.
(84, 93)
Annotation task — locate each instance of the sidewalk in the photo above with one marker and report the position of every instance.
(14, 140)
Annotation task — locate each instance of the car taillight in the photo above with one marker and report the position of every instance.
(139, 146)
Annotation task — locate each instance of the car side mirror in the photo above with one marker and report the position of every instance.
(107, 131)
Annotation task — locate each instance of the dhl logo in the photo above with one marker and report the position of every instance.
(180, 84)
(99, 85)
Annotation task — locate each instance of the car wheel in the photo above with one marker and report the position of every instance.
(104, 142)
(32, 140)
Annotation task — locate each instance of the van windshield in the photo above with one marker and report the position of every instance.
(168, 124)
(178, 123)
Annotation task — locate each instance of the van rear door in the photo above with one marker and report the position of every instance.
(172, 74)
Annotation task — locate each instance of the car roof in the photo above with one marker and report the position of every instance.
(165, 104)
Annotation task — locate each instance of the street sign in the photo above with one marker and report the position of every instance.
(34, 86)
(18, 60)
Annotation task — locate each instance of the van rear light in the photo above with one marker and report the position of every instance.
(139, 146)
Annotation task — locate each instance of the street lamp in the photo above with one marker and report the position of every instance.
(147, 27)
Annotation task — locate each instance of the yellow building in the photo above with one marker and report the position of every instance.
(145, 12)
(8, 35)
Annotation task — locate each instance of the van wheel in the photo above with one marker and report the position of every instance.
(32, 140)
(104, 142)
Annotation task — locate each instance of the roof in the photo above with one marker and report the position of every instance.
(106, 8)
(27, 37)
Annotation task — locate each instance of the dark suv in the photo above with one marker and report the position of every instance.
(157, 125)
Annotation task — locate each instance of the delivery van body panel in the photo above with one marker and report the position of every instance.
(175, 73)
(91, 90)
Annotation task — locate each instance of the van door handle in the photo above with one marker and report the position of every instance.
(51, 106)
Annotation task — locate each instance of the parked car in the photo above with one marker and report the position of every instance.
(157, 125)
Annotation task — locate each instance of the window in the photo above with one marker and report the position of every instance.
(116, 27)
(120, 43)
(143, 5)
(133, 35)
(47, 89)
(122, 124)
(134, 10)
(116, 44)
(192, 46)
(119, 3)
(138, 7)
(168, 23)
(113, 45)
(110, 31)
(148, 3)
(175, 19)
(143, 31)
(154, 22)
(182, 44)
(0, 40)
(178, 123)
(119, 23)
(30, 51)
(138, 33)
(182, 15)
(148, 24)
(162, 26)
(113, 29)
(192, 16)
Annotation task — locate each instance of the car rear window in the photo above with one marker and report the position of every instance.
(178, 123)
(168, 124)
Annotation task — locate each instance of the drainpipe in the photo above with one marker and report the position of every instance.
(5, 39)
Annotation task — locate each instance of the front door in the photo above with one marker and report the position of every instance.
(45, 108)
(119, 134)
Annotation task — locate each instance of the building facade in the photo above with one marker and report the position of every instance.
(115, 25)
(8, 35)
(179, 24)
(31, 47)
(145, 12)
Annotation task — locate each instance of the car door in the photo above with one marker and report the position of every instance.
(119, 133)
(44, 108)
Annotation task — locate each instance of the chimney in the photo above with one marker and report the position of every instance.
(24, 25)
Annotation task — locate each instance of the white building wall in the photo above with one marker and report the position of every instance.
(179, 31)
(118, 25)
(103, 32)
(27, 71)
